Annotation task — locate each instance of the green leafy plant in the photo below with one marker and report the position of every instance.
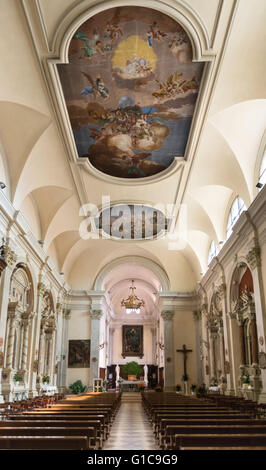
(246, 379)
(17, 377)
(77, 387)
(193, 387)
(46, 379)
(131, 368)
(178, 388)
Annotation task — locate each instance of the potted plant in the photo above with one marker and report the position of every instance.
(178, 388)
(141, 387)
(77, 387)
(17, 378)
(246, 381)
(201, 390)
(193, 388)
(46, 379)
(132, 369)
(158, 388)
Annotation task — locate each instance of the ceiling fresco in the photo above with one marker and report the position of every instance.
(130, 89)
(133, 221)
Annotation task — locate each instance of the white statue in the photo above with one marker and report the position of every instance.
(146, 375)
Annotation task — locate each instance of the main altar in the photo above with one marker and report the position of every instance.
(130, 385)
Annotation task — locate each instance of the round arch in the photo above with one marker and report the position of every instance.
(136, 260)
(181, 13)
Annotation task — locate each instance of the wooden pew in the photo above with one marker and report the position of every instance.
(68, 425)
(205, 422)
(171, 432)
(44, 442)
(88, 432)
(57, 417)
(219, 440)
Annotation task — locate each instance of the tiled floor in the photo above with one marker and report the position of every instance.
(131, 429)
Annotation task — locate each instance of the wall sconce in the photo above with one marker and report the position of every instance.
(102, 345)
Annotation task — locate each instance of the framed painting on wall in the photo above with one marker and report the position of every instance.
(132, 340)
(79, 353)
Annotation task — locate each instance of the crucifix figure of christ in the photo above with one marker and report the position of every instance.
(185, 351)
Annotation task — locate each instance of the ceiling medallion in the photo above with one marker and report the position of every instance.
(130, 89)
(133, 303)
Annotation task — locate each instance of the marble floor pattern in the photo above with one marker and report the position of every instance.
(131, 429)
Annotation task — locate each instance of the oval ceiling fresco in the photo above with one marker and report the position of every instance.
(132, 222)
(130, 89)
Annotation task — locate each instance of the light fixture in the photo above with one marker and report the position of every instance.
(133, 303)
(259, 185)
(2, 185)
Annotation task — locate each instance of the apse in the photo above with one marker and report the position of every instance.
(130, 89)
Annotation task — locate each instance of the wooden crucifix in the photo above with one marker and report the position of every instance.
(184, 350)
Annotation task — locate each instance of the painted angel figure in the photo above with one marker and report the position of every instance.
(96, 88)
(88, 44)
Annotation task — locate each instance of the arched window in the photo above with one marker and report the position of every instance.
(213, 251)
(237, 208)
(262, 175)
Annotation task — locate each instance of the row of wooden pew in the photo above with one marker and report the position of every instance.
(74, 423)
(185, 423)
(29, 403)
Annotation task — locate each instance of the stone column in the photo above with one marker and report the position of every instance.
(241, 341)
(226, 340)
(153, 335)
(254, 261)
(41, 364)
(11, 339)
(95, 344)
(254, 340)
(25, 343)
(110, 345)
(169, 378)
(198, 329)
(212, 355)
(35, 384)
(62, 372)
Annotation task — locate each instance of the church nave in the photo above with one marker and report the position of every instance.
(131, 429)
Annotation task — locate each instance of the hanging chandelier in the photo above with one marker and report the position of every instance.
(133, 303)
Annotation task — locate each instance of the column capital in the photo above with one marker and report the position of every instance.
(41, 289)
(3, 265)
(221, 289)
(167, 315)
(197, 315)
(66, 313)
(96, 314)
(10, 257)
(253, 257)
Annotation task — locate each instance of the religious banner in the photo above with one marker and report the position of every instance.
(79, 353)
(132, 340)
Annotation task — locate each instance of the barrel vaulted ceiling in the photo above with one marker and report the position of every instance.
(48, 81)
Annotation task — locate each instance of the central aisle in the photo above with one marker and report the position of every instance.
(131, 429)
